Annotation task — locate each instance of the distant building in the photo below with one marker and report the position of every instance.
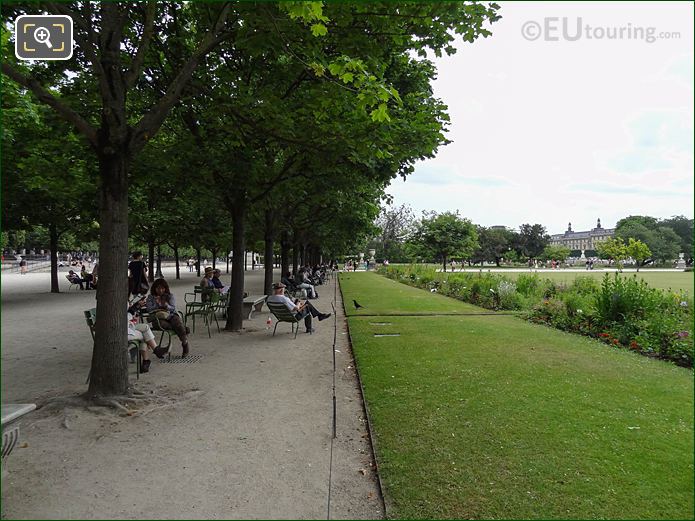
(581, 241)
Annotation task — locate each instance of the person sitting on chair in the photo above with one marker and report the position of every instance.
(162, 302)
(75, 279)
(302, 281)
(217, 283)
(143, 335)
(95, 275)
(304, 310)
(86, 277)
(206, 282)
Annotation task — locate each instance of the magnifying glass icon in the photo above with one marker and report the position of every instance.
(43, 35)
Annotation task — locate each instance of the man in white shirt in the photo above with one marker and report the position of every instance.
(301, 309)
(303, 282)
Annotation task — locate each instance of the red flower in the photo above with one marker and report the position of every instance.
(634, 345)
(615, 341)
(604, 335)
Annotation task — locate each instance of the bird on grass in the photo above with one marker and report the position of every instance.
(357, 305)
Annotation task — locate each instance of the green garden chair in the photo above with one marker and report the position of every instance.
(282, 314)
(205, 310)
(90, 316)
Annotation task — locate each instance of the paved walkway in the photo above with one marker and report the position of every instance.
(245, 432)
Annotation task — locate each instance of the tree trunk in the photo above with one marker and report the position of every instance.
(109, 375)
(236, 291)
(150, 259)
(199, 258)
(295, 258)
(284, 254)
(176, 260)
(159, 273)
(214, 257)
(444, 263)
(268, 252)
(227, 262)
(246, 260)
(53, 230)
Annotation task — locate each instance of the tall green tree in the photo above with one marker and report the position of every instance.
(683, 227)
(395, 224)
(661, 240)
(94, 91)
(48, 181)
(613, 249)
(531, 240)
(444, 236)
(638, 251)
(494, 244)
(554, 252)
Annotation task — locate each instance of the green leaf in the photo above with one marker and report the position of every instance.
(380, 114)
(319, 30)
(318, 69)
(335, 68)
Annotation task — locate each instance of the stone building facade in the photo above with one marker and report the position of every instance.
(582, 241)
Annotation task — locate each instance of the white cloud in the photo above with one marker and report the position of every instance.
(552, 132)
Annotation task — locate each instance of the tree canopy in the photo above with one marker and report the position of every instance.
(444, 236)
(302, 104)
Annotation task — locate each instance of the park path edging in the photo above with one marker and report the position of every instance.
(365, 408)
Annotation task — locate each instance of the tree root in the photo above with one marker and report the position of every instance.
(134, 402)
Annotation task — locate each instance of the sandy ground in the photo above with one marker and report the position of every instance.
(244, 432)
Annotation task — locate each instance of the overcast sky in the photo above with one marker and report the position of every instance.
(548, 130)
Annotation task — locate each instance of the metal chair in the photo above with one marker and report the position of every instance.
(205, 309)
(90, 316)
(282, 314)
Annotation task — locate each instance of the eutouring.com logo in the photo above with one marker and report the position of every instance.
(556, 29)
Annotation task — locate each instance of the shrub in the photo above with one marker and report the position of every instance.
(621, 311)
(528, 284)
(620, 297)
(548, 288)
(507, 295)
(585, 285)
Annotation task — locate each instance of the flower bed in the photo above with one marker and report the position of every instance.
(622, 311)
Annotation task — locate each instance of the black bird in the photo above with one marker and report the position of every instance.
(357, 306)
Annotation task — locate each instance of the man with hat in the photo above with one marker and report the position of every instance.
(304, 310)
(206, 282)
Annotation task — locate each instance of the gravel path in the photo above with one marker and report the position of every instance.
(244, 432)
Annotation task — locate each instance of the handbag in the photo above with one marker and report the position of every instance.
(161, 314)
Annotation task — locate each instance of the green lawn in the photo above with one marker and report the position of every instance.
(493, 417)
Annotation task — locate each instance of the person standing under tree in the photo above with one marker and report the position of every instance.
(137, 280)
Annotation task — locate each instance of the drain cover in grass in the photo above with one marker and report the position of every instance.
(380, 324)
(386, 334)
